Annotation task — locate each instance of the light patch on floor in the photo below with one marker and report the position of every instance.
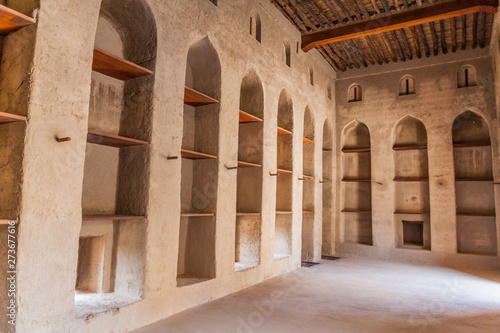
(351, 295)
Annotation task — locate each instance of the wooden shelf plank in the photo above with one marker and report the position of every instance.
(112, 217)
(477, 215)
(356, 211)
(306, 140)
(410, 180)
(283, 131)
(7, 222)
(11, 20)
(196, 98)
(193, 155)
(398, 148)
(284, 171)
(355, 150)
(242, 164)
(247, 214)
(116, 67)
(471, 144)
(473, 180)
(6, 118)
(308, 177)
(307, 212)
(197, 214)
(283, 212)
(356, 180)
(248, 118)
(410, 213)
(327, 149)
(111, 140)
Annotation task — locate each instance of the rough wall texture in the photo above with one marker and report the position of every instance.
(436, 103)
(60, 104)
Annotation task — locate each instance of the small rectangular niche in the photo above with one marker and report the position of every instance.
(196, 257)
(90, 264)
(413, 233)
(247, 246)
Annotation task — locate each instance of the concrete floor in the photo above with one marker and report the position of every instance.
(351, 295)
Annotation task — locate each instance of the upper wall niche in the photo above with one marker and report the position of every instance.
(354, 94)
(466, 77)
(256, 27)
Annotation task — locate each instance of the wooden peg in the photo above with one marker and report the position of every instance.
(67, 139)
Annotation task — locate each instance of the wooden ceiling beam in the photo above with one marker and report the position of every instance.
(333, 11)
(482, 30)
(453, 24)
(474, 30)
(348, 53)
(332, 54)
(344, 10)
(303, 16)
(444, 45)
(375, 6)
(464, 33)
(285, 9)
(363, 8)
(329, 59)
(378, 48)
(358, 52)
(396, 42)
(403, 19)
(421, 32)
(341, 55)
(311, 12)
(435, 42)
(414, 35)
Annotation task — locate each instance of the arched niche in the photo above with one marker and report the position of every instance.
(412, 202)
(199, 171)
(354, 93)
(407, 85)
(328, 240)
(249, 185)
(284, 183)
(356, 184)
(256, 27)
(308, 187)
(466, 76)
(286, 57)
(115, 183)
(474, 189)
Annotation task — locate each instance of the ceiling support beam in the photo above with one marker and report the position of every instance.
(403, 19)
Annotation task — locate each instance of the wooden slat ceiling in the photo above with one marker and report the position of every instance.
(425, 40)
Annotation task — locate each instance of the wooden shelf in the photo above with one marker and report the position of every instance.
(471, 144)
(284, 171)
(116, 67)
(356, 211)
(247, 214)
(410, 213)
(242, 164)
(248, 118)
(111, 140)
(473, 180)
(307, 212)
(6, 118)
(356, 180)
(477, 215)
(398, 148)
(283, 131)
(6, 222)
(327, 149)
(196, 98)
(410, 180)
(112, 217)
(197, 214)
(308, 177)
(11, 20)
(193, 155)
(283, 212)
(306, 140)
(355, 150)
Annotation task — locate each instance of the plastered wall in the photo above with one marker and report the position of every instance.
(436, 103)
(53, 197)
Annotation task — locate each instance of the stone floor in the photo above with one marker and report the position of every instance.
(351, 295)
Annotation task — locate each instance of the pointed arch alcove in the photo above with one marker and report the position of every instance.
(412, 202)
(356, 184)
(284, 174)
(475, 197)
(308, 187)
(328, 240)
(115, 184)
(249, 188)
(199, 178)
